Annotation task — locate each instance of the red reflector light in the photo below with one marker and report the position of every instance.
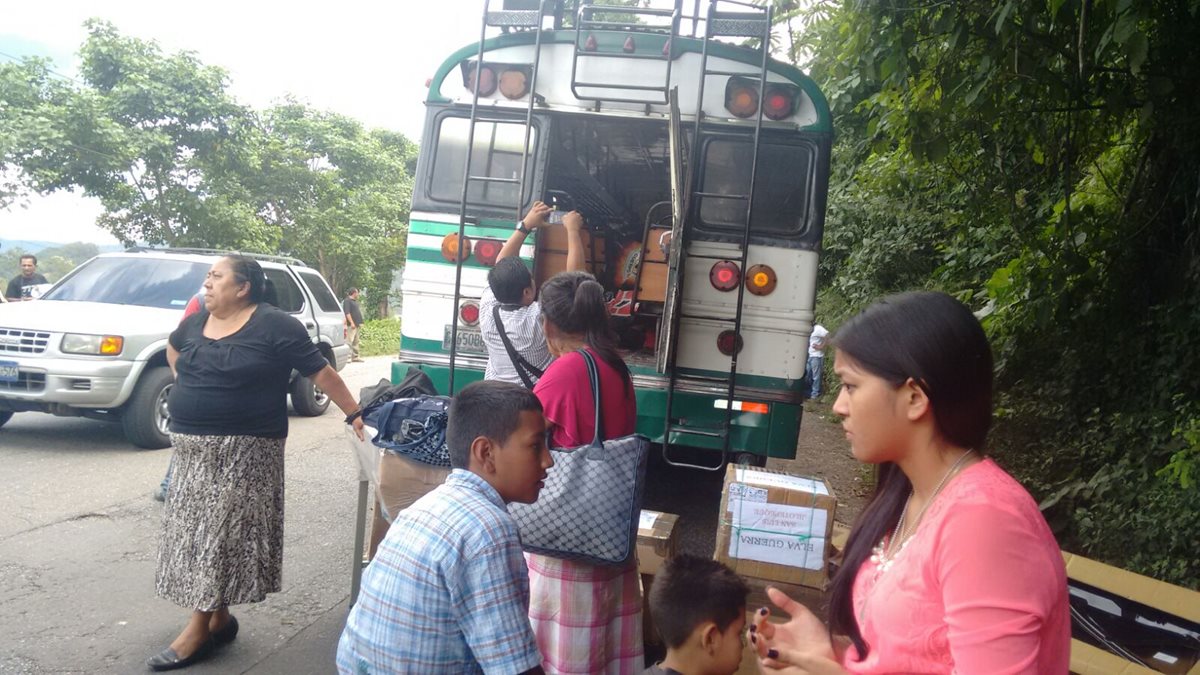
(514, 83)
(780, 103)
(487, 79)
(452, 251)
(468, 313)
(741, 97)
(589, 45)
(760, 279)
(486, 251)
(725, 275)
(728, 341)
(630, 46)
(760, 408)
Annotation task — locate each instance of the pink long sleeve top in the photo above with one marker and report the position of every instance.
(979, 588)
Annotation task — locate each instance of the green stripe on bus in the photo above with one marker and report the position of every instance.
(500, 230)
(743, 380)
(773, 434)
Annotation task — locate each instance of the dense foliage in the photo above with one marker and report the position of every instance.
(175, 160)
(1040, 160)
(380, 337)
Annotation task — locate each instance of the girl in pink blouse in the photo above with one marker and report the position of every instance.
(951, 567)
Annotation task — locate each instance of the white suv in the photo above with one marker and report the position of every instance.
(95, 344)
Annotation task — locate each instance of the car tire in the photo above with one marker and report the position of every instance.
(145, 418)
(307, 398)
(5, 417)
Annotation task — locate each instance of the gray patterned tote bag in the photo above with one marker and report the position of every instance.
(588, 510)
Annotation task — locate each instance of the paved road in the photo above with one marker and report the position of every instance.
(77, 550)
(78, 535)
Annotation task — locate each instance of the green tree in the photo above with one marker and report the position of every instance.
(155, 137)
(175, 160)
(1039, 159)
(338, 193)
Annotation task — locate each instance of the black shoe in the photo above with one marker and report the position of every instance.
(167, 659)
(227, 632)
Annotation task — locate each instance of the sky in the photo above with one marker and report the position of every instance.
(368, 60)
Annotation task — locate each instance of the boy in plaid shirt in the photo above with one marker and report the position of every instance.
(448, 591)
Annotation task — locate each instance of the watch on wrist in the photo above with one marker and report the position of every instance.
(521, 227)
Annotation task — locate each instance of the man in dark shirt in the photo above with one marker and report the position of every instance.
(354, 321)
(19, 287)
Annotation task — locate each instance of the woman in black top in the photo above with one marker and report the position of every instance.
(222, 535)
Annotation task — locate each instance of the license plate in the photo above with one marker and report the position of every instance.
(469, 340)
(8, 371)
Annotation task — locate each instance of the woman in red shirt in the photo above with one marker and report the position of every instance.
(587, 618)
(951, 567)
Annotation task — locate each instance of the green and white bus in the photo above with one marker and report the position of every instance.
(701, 166)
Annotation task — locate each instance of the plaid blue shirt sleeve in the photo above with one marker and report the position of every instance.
(490, 599)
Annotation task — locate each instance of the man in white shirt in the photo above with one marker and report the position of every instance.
(816, 359)
(511, 291)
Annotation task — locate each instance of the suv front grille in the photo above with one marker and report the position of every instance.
(26, 382)
(17, 341)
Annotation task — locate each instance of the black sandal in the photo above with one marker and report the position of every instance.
(225, 634)
(167, 659)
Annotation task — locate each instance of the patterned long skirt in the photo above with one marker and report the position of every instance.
(587, 619)
(222, 533)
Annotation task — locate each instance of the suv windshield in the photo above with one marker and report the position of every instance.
(147, 282)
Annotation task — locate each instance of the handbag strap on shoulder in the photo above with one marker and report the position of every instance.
(594, 380)
(525, 370)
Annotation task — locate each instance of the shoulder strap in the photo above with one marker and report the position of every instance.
(594, 378)
(524, 368)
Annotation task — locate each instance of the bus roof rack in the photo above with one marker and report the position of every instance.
(286, 260)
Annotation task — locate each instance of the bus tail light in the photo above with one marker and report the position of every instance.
(760, 280)
(729, 342)
(514, 82)
(779, 102)
(452, 250)
(468, 313)
(743, 406)
(725, 275)
(487, 79)
(486, 251)
(741, 97)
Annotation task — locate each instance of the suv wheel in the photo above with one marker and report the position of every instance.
(145, 419)
(307, 398)
(5, 416)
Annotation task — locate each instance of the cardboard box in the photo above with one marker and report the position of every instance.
(1087, 659)
(775, 526)
(401, 481)
(657, 540)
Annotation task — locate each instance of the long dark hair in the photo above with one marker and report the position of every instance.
(246, 270)
(574, 303)
(935, 340)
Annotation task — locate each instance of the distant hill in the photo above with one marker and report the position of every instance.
(34, 246)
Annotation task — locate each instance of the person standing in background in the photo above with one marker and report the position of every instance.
(816, 359)
(354, 321)
(18, 288)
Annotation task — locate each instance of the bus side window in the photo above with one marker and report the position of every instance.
(497, 154)
(782, 191)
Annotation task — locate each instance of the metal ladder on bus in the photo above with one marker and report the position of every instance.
(746, 21)
(519, 19)
(601, 19)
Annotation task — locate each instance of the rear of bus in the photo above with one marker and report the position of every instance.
(612, 162)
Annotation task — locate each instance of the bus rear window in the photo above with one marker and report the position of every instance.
(497, 154)
(780, 196)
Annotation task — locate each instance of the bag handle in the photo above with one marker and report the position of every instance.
(594, 380)
(523, 367)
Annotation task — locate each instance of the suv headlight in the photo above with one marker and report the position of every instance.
(104, 345)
